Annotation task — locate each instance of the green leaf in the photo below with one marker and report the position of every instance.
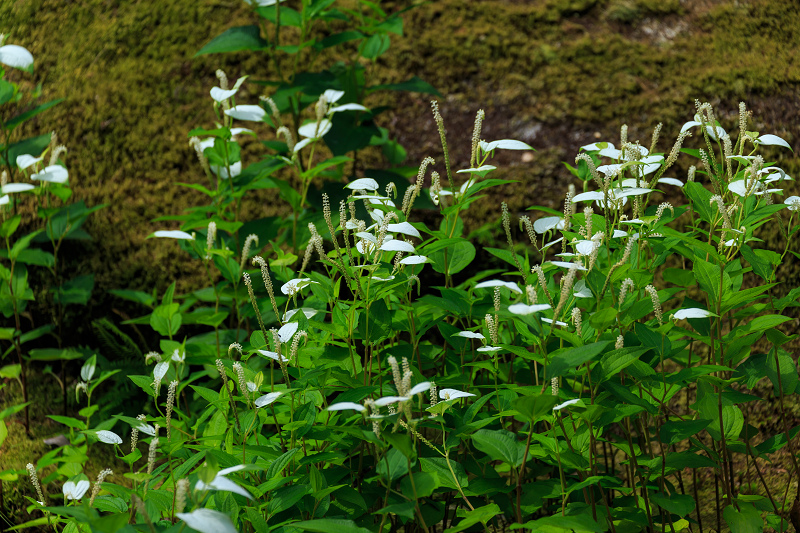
(452, 259)
(338, 38)
(581, 522)
(76, 291)
(788, 372)
(375, 46)
(701, 200)
(481, 514)
(379, 322)
(145, 383)
(614, 362)
(235, 40)
(330, 525)
(69, 421)
(679, 504)
(745, 520)
(134, 296)
(289, 16)
(675, 431)
(760, 266)
(708, 276)
(10, 226)
(566, 359)
(536, 407)
(280, 463)
(166, 319)
(22, 117)
(438, 467)
(6, 92)
(498, 445)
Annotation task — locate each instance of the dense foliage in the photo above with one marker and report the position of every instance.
(351, 368)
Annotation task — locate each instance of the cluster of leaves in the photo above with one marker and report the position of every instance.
(34, 198)
(368, 386)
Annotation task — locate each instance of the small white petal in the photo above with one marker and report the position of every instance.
(147, 429)
(404, 228)
(75, 491)
(274, 355)
(251, 113)
(208, 520)
(564, 264)
(302, 144)
(693, 312)
(483, 168)
(160, 370)
(238, 131)
(671, 181)
(618, 234)
(366, 184)
(499, 283)
(4, 199)
(387, 400)
(267, 399)
(525, 309)
(469, 335)
(220, 95)
(173, 234)
(332, 95)
(413, 260)
(11, 188)
(591, 195)
(597, 146)
(545, 224)
(25, 160)
(52, 174)
(222, 172)
(613, 153)
(505, 144)
(793, 203)
(346, 405)
(295, 285)
(287, 330)
(309, 312)
(551, 243)
(566, 404)
(772, 140)
(585, 247)
(15, 56)
(557, 322)
(419, 388)
(377, 278)
(490, 349)
(347, 107)
(453, 394)
(312, 131)
(396, 245)
(108, 437)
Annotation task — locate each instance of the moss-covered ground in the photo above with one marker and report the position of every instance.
(554, 73)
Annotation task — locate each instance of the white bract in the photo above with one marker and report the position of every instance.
(267, 399)
(504, 144)
(692, 312)
(566, 404)
(274, 355)
(108, 437)
(293, 286)
(173, 234)
(220, 482)
(545, 224)
(341, 406)
(420, 388)
(16, 56)
(287, 331)
(75, 491)
(312, 130)
(453, 394)
(52, 174)
(10, 188)
(499, 283)
(793, 203)
(25, 160)
(396, 245)
(469, 335)
(404, 228)
(564, 264)
(489, 349)
(160, 370)
(525, 309)
(414, 260)
(251, 113)
(483, 168)
(208, 520)
(365, 184)
(772, 140)
(220, 95)
(387, 400)
(307, 311)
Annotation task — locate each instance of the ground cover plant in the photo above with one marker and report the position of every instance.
(351, 368)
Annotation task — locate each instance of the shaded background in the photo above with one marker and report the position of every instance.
(554, 73)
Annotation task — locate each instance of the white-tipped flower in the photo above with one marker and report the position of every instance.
(96, 488)
(75, 491)
(656, 303)
(35, 482)
(453, 394)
